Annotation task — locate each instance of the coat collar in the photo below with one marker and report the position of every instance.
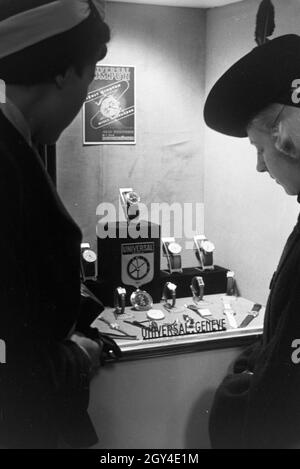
(293, 238)
(14, 115)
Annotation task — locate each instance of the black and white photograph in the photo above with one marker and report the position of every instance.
(150, 227)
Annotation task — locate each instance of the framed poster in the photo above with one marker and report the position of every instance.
(109, 109)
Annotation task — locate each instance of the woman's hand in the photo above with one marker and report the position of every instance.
(92, 349)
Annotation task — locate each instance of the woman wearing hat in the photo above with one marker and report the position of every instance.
(48, 52)
(258, 405)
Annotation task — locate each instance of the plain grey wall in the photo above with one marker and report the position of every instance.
(246, 214)
(161, 402)
(167, 46)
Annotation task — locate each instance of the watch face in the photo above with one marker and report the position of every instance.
(110, 107)
(132, 198)
(174, 248)
(89, 255)
(138, 267)
(141, 300)
(200, 282)
(197, 283)
(208, 246)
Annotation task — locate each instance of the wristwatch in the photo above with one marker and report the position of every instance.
(229, 313)
(172, 251)
(132, 201)
(251, 315)
(88, 262)
(230, 288)
(141, 300)
(204, 252)
(169, 293)
(129, 201)
(197, 288)
(120, 300)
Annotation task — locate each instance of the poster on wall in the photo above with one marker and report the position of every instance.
(109, 109)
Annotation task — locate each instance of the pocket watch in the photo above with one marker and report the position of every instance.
(141, 300)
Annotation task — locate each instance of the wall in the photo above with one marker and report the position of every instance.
(160, 402)
(246, 214)
(167, 47)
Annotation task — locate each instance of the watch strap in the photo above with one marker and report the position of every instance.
(197, 288)
(231, 319)
(174, 262)
(251, 315)
(247, 320)
(120, 300)
(169, 294)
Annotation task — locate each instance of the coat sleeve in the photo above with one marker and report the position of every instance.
(272, 418)
(263, 410)
(44, 383)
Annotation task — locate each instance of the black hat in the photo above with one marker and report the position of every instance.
(268, 74)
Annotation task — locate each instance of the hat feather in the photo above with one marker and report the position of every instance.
(265, 22)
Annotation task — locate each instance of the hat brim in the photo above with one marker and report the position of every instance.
(251, 84)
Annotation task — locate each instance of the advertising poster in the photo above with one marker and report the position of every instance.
(109, 109)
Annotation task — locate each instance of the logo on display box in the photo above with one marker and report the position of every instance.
(137, 263)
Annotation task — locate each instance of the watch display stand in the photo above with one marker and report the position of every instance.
(215, 280)
(129, 261)
(172, 251)
(204, 252)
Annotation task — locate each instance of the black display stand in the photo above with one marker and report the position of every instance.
(111, 268)
(110, 259)
(215, 280)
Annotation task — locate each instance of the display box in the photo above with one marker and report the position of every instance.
(129, 257)
(215, 280)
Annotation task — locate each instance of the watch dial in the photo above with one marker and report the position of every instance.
(110, 107)
(171, 286)
(89, 255)
(208, 246)
(142, 301)
(174, 248)
(132, 198)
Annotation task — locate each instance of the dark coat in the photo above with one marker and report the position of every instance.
(44, 385)
(263, 410)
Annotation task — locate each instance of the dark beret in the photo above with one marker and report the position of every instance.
(268, 74)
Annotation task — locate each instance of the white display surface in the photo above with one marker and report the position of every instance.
(160, 394)
(213, 303)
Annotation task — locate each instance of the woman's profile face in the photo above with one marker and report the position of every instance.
(284, 169)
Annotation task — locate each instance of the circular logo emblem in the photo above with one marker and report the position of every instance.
(138, 267)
